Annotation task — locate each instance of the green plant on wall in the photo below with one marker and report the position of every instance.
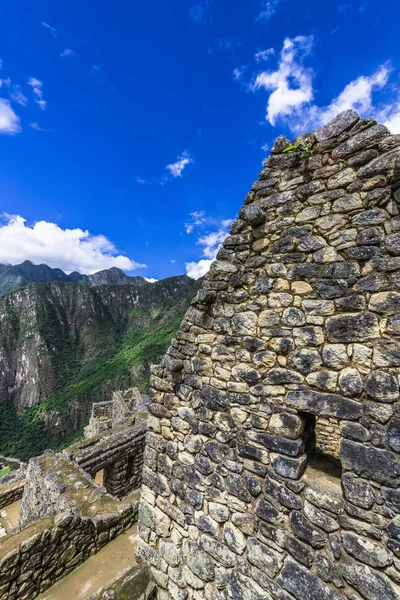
(303, 150)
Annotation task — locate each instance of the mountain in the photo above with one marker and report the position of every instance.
(65, 345)
(13, 277)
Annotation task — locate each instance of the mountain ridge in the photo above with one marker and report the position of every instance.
(13, 277)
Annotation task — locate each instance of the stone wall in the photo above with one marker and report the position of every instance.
(74, 519)
(124, 405)
(327, 432)
(10, 493)
(298, 319)
(119, 453)
(100, 420)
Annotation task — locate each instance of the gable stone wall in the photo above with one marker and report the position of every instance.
(297, 324)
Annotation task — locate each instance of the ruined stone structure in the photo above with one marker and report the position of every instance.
(120, 410)
(291, 346)
(65, 517)
(119, 454)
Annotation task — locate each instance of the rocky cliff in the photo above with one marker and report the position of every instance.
(65, 345)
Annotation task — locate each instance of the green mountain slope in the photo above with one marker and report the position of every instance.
(64, 346)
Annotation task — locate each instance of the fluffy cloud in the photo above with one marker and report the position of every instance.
(195, 270)
(67, 249)
(36, 86)
(181, 162)
(357, 95)
(150, 279)
(290, 86)
(67, 53)
(9, 121)
(211, 243)
(291, 91)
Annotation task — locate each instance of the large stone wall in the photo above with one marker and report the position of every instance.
(298, 320)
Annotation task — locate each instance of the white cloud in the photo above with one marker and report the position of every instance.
(9, 121)
(356, 95)
(18, 97)
(291, 92)
(150, 279)
(263, 55)
(291, 84)
(181, 162)
(393, 119)
(67, 53)
(49, 28)
(211, 243)
(67, 249)
(195, 270)
(268, 9)
(37, 127)
(173, 261)
(36, 86)
(197, 218)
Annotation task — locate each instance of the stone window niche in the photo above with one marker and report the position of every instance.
(321, 441)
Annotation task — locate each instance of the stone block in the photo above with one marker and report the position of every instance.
(381, 466)
(352, 328)
(304, 585)
(332, 405)
(371, 584)
(265, 558)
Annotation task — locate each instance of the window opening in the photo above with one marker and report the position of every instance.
(321, 441)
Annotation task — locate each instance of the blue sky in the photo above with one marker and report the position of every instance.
(130, 132)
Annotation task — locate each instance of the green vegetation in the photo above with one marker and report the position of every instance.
(4, 471)
(121, 357)
(303, 150)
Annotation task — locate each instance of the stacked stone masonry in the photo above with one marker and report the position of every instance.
(10, 493)
(327, 436)
(298, 320)
(65, 518)
(119, 453)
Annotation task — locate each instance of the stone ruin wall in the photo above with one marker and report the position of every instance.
(65, 518)
(119, 453)
(297, 322)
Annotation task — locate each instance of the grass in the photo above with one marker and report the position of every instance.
(4, 471)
